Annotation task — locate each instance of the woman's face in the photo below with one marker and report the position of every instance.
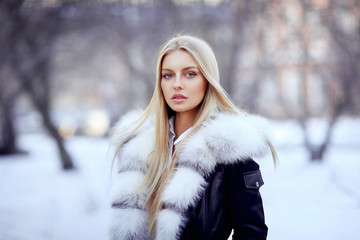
(182, 83)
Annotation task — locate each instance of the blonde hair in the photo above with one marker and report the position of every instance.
(215, 99)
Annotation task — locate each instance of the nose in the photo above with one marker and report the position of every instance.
(178, 84)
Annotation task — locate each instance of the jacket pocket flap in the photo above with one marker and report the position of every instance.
(253, 179)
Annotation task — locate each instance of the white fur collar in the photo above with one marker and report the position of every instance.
(226, 139)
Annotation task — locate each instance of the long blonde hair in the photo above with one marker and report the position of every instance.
(215, 99)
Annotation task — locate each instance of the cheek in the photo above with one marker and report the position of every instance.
(203, 87)
(163, 88)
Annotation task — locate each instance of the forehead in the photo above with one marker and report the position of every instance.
(178, 59)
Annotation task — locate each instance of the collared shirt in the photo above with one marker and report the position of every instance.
(172, 133)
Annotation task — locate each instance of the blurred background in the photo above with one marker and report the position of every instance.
(70, 68)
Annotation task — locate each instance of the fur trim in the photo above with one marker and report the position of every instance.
(236, 137)
(169, 223)
(183, 188)
(142, 139)
(129, 224)
(124, 190)
(126, 125)
(226, 139)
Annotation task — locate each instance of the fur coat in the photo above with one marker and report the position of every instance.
(226, 139)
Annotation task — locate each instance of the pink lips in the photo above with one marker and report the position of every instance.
(178, 98)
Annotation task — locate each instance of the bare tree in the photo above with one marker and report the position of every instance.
(339, 72)
(9, 89)
(346, 44)
(30, 42)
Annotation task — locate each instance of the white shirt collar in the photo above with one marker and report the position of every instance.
(172, 131)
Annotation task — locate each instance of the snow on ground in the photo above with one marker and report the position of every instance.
(302, 200)
(38, 201)
(305, 200)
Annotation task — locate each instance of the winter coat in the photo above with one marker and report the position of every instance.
(214, 188)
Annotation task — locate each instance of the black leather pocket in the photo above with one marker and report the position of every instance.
(253, 179)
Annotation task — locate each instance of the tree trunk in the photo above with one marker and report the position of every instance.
(42, 106)
(8, 134)
(35, 79)
(66, 161)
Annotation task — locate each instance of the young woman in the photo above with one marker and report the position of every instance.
(185, 166)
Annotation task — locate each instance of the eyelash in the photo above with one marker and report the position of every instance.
(192, 73)
(168, 75)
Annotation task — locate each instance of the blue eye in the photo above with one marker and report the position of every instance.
(167, 75)
(190, 74)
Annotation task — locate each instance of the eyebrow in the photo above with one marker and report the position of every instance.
(184, 69)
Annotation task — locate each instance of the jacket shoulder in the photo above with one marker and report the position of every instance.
(227, 139)
(246, 174)
(237, 137)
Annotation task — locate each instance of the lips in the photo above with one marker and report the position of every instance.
(178, 96)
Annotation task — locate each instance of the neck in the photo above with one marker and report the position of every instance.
(183, 121)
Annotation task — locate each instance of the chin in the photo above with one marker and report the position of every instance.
(179, 110)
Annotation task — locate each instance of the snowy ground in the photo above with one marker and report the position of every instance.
(303, 201)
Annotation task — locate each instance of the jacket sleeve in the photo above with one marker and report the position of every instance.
(246, 213)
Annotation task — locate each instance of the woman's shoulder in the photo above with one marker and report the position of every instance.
(233, 137)
(227, 139)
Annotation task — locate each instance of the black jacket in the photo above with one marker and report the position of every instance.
(231, 201)
(213, 189)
